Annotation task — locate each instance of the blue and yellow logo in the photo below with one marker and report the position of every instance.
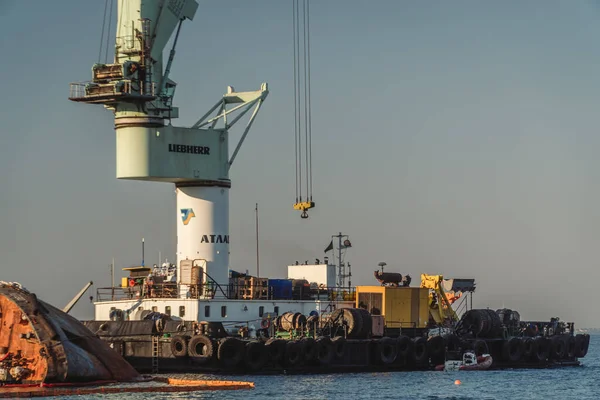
(186, 215)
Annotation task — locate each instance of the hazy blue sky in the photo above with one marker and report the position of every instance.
(457, 138)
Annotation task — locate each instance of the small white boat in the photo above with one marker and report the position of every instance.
(470, 362)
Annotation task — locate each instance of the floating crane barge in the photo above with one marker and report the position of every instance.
(387, 327)
(197, 316)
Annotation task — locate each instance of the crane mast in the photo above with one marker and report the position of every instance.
(137, 88)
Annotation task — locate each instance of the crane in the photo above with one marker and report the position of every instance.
(443, 293)
(136, 86)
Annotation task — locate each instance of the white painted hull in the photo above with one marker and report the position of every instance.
(232, 313)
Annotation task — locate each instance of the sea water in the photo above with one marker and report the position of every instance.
(561, 383)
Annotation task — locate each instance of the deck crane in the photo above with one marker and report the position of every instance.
(302, 108)
(136, 86)
(443, 293)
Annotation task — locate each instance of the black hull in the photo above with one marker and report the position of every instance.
(149, 351)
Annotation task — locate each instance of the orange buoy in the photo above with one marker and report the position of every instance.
(457, 382)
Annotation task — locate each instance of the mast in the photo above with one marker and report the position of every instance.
(343, 245)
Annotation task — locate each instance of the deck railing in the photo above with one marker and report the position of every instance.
(211, 290)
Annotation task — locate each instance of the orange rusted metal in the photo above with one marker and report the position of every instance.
(173, 385)
(40, 344)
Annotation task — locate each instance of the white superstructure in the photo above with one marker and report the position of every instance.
(319, 274)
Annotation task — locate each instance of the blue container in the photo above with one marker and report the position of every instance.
(280, 289)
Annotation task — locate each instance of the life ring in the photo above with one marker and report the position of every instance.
(265, 323)
(131, 283)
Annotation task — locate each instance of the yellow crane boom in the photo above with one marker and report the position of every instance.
(440, 303)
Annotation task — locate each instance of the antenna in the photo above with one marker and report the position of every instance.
(257, 259)
(112, 273)
(142, 252)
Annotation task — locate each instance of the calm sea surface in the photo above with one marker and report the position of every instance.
(564, 383)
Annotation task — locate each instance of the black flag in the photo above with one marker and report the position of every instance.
(330, 247)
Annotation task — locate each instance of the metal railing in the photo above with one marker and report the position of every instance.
(230, 291)
(91, 90)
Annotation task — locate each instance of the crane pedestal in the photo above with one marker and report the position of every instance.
(203, 232)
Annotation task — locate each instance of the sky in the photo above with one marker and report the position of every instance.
(448, 138)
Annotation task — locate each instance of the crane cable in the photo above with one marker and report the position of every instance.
(110, 9)
(296, 107)
(307, 116)
(309, 105)
(102, 34)
(108, 32)
(302, 106)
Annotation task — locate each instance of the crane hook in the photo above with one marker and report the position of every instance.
(304, 215)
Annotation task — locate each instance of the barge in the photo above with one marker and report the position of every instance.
(392, 326)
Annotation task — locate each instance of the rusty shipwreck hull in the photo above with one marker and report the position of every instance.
(41, 344)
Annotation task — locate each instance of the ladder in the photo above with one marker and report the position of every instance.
(155, 353)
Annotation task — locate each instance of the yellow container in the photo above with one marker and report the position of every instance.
(401, 306)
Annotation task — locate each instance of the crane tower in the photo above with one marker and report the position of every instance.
(136, 87)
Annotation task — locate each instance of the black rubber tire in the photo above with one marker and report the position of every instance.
(275, 349)
(435, 346)
(388, 350)
(367, 323)
(452, 342)
(558, 347)
(421, 355)
(472, 322)
(256, 355)
(293, 354)
(495, 324)
(352, 319)
(480, 347)
(325, 351)
(571, 346)
(581, 345)
(179, 346)
(405, 347)
(201, 349)
(483, 323)
(339, 347)
(231, 352)
(310, 350)
(529, 348)
(512, 349)
(542, 349)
